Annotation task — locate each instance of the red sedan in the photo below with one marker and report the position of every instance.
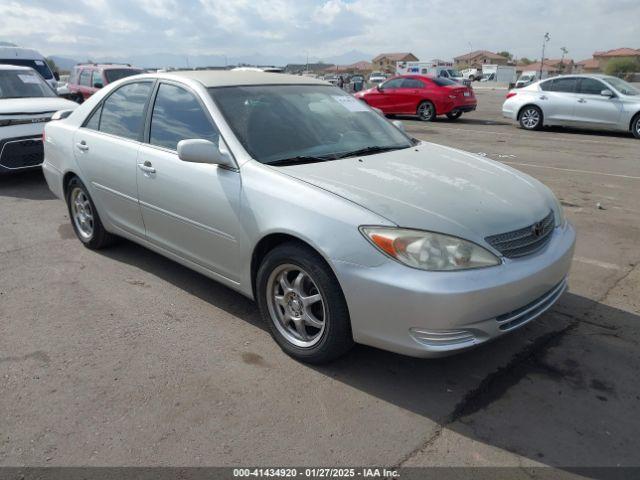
(421, 95)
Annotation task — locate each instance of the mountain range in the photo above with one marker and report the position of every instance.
(164, 60)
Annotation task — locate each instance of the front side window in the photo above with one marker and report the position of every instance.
(589, 86)
(85, 78)
(291, 123)
(412, 83)
(123, 110)
(96, 77)
(177, 115)
(23, 84)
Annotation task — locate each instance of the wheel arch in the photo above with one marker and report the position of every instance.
(633, 119)
(530, 104)
(66, 178)
(271, 241)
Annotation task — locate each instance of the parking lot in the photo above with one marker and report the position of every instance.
(122, 357)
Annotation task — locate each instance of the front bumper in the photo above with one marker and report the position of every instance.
(429, 314)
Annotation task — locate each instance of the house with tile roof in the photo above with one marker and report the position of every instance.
(386, 62)
(479, 58)
(603, 58)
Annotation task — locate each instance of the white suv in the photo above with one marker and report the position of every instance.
(27, 102)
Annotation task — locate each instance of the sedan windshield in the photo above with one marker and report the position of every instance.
(622, 86)
(23, 84)
(300, 123)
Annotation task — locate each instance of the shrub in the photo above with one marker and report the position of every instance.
(622, 67)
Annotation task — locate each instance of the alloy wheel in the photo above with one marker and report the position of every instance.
(425, 111)
(530, 118)
(296, 305)
(82, 213)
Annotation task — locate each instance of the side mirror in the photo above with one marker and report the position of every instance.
(399, 125)
(606, 93)
(98, 85)
(56, 75)
(203, 151)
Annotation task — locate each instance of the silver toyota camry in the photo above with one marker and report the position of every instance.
(597, 102)
(296, 194)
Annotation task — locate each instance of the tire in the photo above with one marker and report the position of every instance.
(635, 126)
(78, 98)
(454, 114)
(472, 78)
(426, 111)
(84, 217)
(286, 311)
(531, 118)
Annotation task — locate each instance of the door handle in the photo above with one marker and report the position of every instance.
(82, 146)
(544, 97)
(582, 100)
(146, 167)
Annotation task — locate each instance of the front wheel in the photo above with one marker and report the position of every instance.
(635, 127)
(531, 118)
(426, 111)
(454, 115)
(301, 301)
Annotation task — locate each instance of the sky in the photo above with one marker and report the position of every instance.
(289, 29)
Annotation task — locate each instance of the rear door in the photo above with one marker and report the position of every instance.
(106, 148)
(592, 109)
(189, 209)
(558, 100)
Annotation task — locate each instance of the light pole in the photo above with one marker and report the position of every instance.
(564, 52)
(544, 46)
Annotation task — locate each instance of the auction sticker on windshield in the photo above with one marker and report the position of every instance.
(29, 79)
(350, 103)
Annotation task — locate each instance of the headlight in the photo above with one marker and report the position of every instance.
(427, 250)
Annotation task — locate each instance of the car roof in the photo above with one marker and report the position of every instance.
(6, 66)
(226, 78)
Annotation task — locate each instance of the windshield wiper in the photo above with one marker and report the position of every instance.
(367, 151)
(300, 159)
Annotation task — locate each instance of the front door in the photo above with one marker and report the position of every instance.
(189, 209)
(592, 109)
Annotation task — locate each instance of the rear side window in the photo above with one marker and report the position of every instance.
(564, 85)
(412, 83)
(443, 82)
(177, 115)
(123, 110)
(85, 78)
(114, 74)
(590, 86)
(393, 83)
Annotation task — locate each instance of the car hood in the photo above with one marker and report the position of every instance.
(22, 106)
(436, 188)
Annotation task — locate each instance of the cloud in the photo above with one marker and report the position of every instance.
(321, 28)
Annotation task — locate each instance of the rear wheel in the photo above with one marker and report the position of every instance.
(454, 114)
(426, 111)
(531, 118)
(301, 301)
(635, 126)
(84, 217)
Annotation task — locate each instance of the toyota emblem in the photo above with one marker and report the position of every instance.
(537, 229)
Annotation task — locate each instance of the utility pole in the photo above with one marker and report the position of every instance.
(544, 46)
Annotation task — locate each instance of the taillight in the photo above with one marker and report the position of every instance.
(511, 94)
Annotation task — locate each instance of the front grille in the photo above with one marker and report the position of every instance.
(524, 241)
(22, 153)
(517, 318)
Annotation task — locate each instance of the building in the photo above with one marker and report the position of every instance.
(553, 66)
(386, 62)
(603, 58)
(590, 65)
(358, 67)
(479, 58)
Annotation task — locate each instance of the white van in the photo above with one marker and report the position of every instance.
(28, 57)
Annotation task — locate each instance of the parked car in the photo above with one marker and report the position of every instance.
(586, 101)
(529, 77)
(471, 74)
(26, 103)
(296, 194)
(377, 78)
(421, 95)
(28, 57)
(87, 78)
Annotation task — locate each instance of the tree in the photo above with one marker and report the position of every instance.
(622, 67)
(506, 55)
(526, 61)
